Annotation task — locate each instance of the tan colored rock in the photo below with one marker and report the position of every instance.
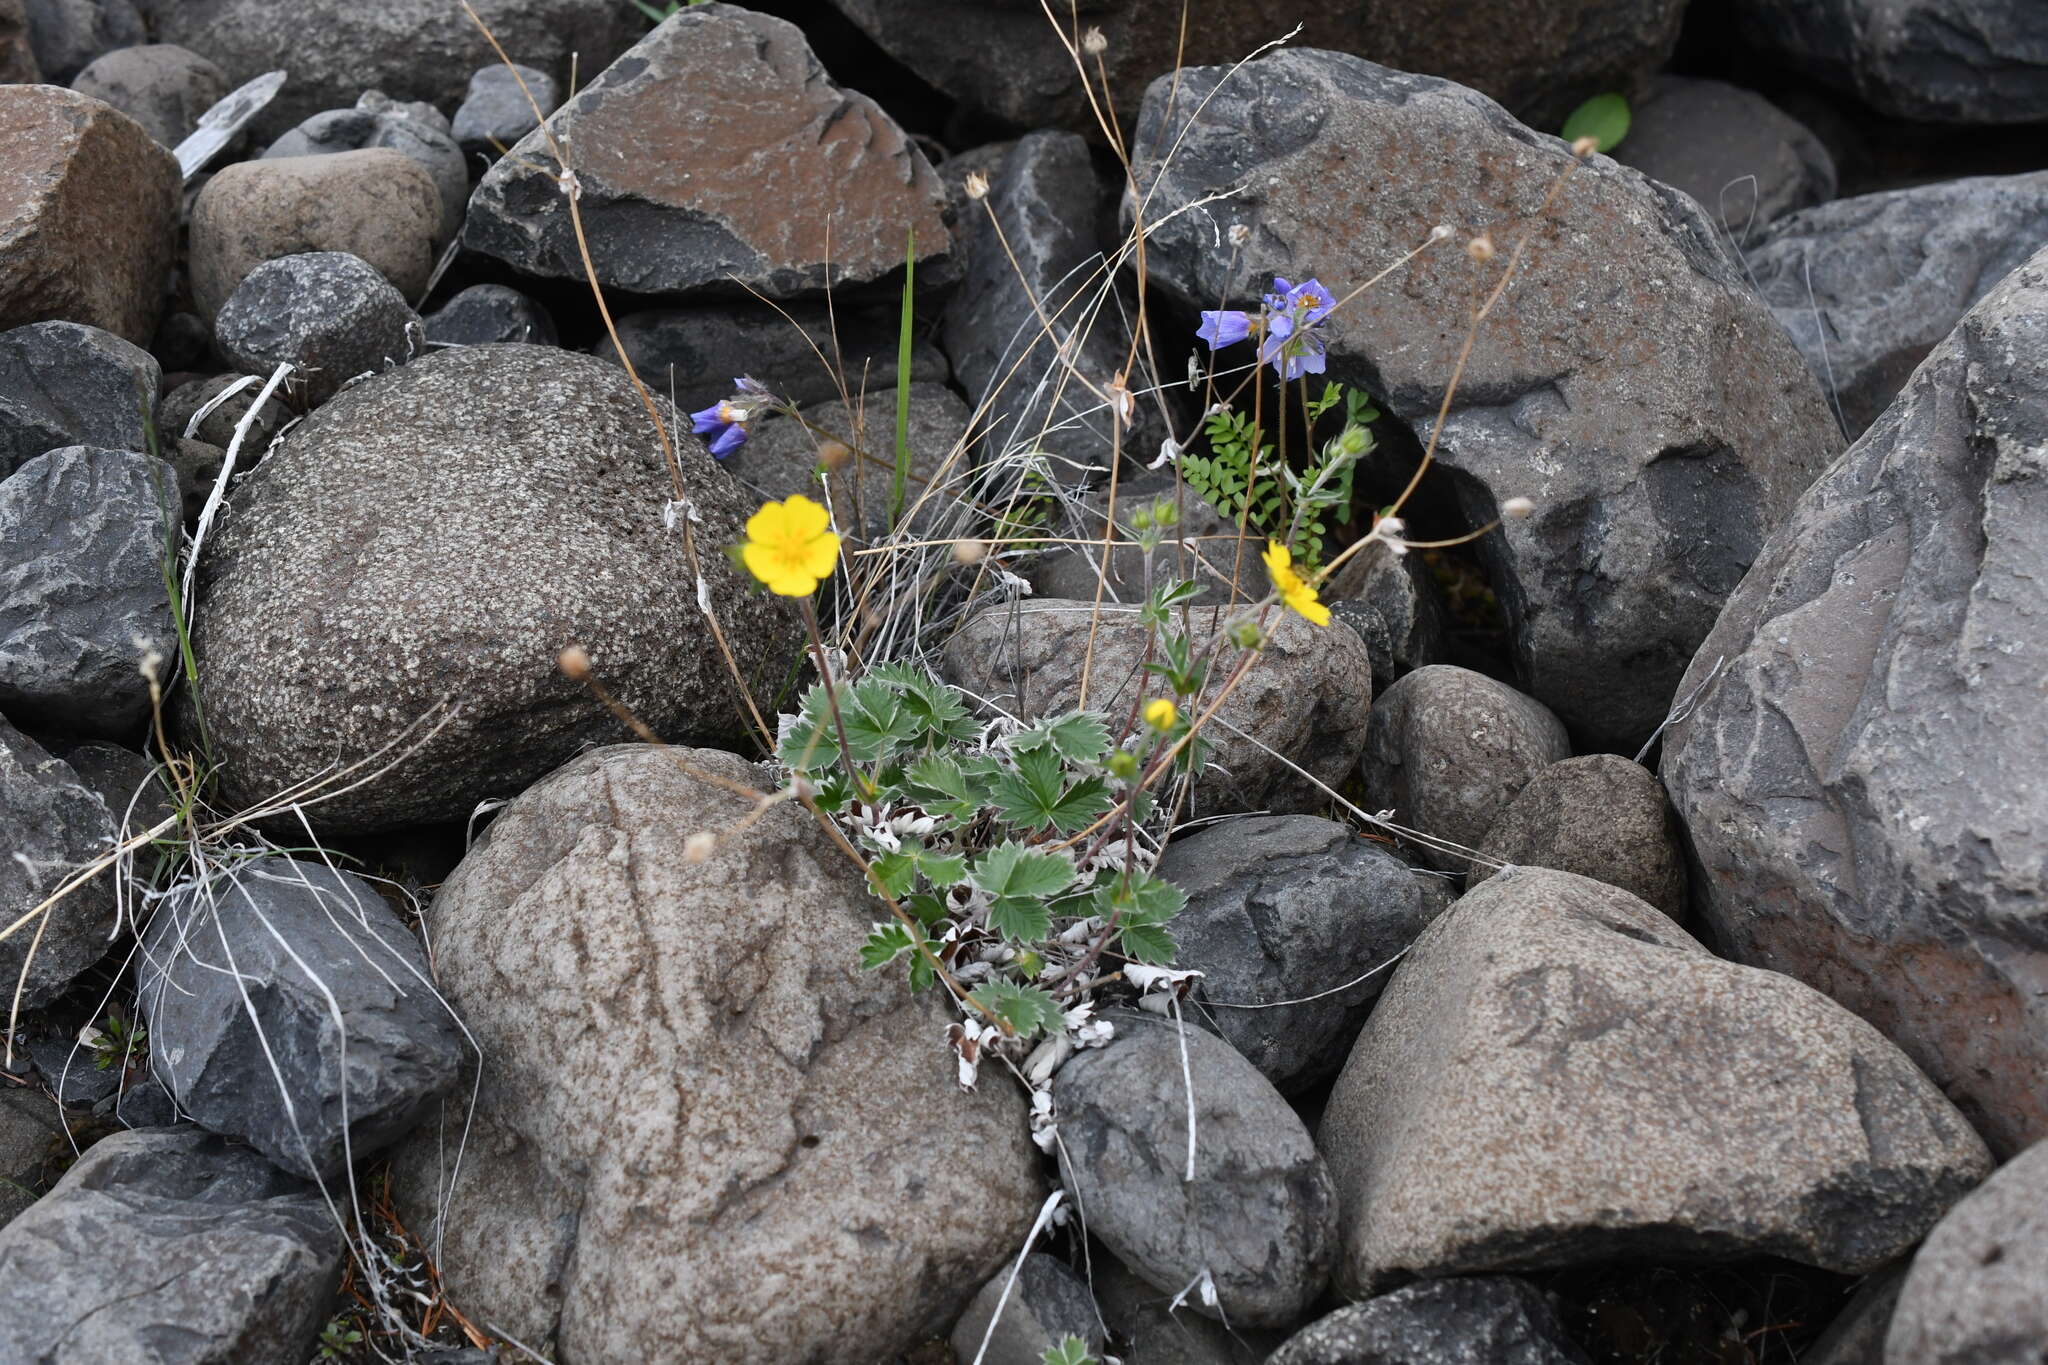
(1559, 1075)
(704, 1132)
(1600, 816)
(377, 204)
(1307, 698)
(88, 214)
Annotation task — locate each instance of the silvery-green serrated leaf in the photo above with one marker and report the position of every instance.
(943, 870)
(943, 787)
(1025, 1008)
(927, 908)
(1011, 869)
(897, 871)
(1023, 918)
(887, 943)
(1081, 805)
(1147, 943)
(1071, 1351)
(1079, 737)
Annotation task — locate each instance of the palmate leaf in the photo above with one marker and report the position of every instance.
(944, 788)
(1026, 1009)
(877, 724)
(1148, 943)
(1076, 737)
(1035, 793)
(891, 941)
(938, 710)
(1072, 1350)
(1019, 882)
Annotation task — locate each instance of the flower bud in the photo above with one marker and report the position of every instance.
(1141, 520)
(968, 550)
(1123, 765)
(1094, 43)
(1354, 442)
(1161, 713)
(1164, 513)
(1246, 635)
(1480, 248)
(834, 455)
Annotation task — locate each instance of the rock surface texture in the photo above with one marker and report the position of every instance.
(289, 1007)
(1308, 697)
(1865, 785)
(1600, 816)
(1046, 1304)
(327, 314)
(54, 827)
(1868, 286)
(1257, 1215)
(1491, 1320)
(1973, 1295)
(377, 121)
(168, 1245)
(88, 214)
(666, 1104)
(83, 538)
(64, 384)
(717, 154)
(359, 597)
(163, 88)
(1641, 394)
(1559, 1075)
(1743, 159)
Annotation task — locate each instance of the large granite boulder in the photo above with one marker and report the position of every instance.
(364, 598)
(1865, 782)
(703, 1131)
(1630, 381)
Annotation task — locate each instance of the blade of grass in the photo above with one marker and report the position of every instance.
(903, 387)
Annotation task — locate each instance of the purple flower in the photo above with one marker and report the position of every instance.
(1308, 301)
(728, 420)
(1225, 328)
(1296, 355)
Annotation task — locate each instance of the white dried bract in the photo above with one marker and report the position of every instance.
(1094, 43)
(1480, 248)
(1517, 509)
(1240, 233)
(977, 185)
(699, 846)
(1586, 146)
(968, 550)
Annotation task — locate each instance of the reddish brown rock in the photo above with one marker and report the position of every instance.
(716, 153)
(88, 214)
(377, 204)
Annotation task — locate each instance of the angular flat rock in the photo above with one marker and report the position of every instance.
(715, 155)
(54, 827)
(698, 1149)
(1865, 784)
(1558, 1075)
(1630, 382)
(66, 384)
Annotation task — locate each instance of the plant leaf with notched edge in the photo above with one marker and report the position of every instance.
(943, 788)
(938, 709)
(1019, 881)
(1078, 737)
(943, 869)
(1023, 918)
(1034, 794)
(1024, 1008)
(1071, 1351)
(1148, 943)
(1604, 118)
(887, 943)
(897, 871)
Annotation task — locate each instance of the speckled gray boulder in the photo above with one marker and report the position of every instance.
(1600, 816)
(1047, 1303)
(1308, 697)
(1152, 1330)
(1559, 1075)
(168, 1245)
(53, 827)
(1868, 286)
(174, 415)
(1258, 1215)
(1449, 748)
(289, 1007)
(1492, 1320)
(360, 595)
(496, 112)
(1743, 159)
(1289, 907)
(1975, 1293)
(664, 1105)
(378, 122)
(1865, 785)
(326, 313)
(1659, 441)
(161, 87)
(66, 384)
(83, 538)
(1403, 595)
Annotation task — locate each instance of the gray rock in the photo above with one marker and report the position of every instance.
(1600, 816)
(133, 788)
(328, 314)
(484, 313)
(1152, 1331)
(663, 1105)
(168, 1245)
(289, 1007)
(1036, 387)
(679, 136)
(1868, 286)
(1257, 1216)
(54, 828)
(1046, 1304)
(17, 57)
(1540, 59)
(1285, 908)
(68, 34)
(163, 88)
(198, 466)
(377, 122)
(496, 111)
(1492, 1320)
(141, 1104)
(34, 1142)
(1308, 697)
(1932, 61)
(1201, 547)
(1745, 160)
(1864, 786)
(781, 458)
(377, 204)
(64, 384)
(174, 415)
(1659, 441)
(1449, 748)
(1558, 1075)
(405, 586)
(72, 1072)
(410, 49)
(1401, 593)
(1974, 1293)
(700, 351)
(89, 220)
(83, 539)
(1856, 1336)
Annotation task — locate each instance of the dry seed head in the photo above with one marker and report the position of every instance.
(1240, 233)
(1093, 43)
(699, 846)
(1517, 509)
(1480, 248)
(977, 185)
(968, 550)
(1586, 146)
(574, 663)
(834, 454)
(1440, 233)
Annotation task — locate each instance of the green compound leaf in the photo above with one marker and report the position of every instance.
(1024, 1008)
(943, 870)
(1076, 737)
(1070, 1351)
(897, 872)
(943, 788)
(1148, 943)
(1604, 118)
(1023, 918)
(1034, 794)
(937, 709)
(887, 943)
(1019, 881)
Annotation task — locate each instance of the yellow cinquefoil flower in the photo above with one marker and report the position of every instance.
(1293, 589)
(790, 546)
(1160, 714)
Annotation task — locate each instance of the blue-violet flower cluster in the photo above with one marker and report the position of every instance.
(1287, 327)
(728, 417)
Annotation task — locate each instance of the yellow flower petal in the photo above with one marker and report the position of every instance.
(804, 519)
(821, 556)
(1161, 713)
